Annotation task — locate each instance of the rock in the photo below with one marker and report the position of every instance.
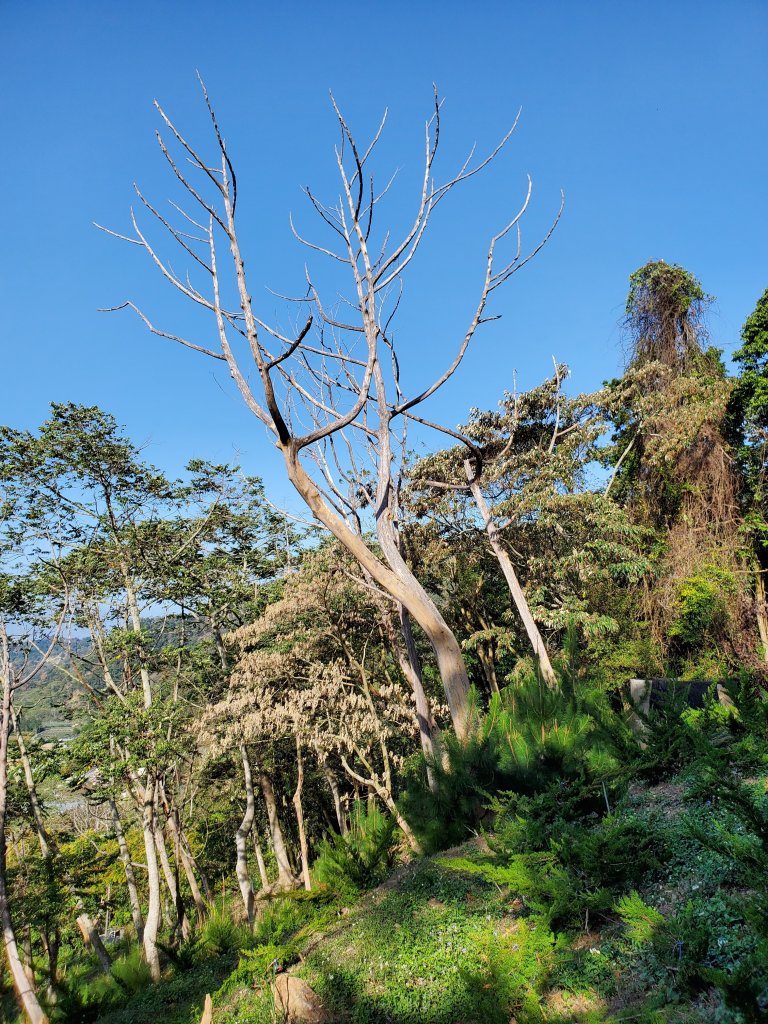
(297, 1001)
(207, 1011)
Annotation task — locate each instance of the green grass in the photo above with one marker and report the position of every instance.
(467, 937)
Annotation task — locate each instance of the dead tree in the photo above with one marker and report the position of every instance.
(338, 374)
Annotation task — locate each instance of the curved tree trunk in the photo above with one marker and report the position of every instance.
(398, 581)
(241, 839)
(92, 939)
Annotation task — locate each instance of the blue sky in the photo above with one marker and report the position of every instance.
(651, 117)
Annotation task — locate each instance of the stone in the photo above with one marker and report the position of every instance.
(297, 1001)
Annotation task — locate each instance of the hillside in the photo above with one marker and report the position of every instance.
(636, 918)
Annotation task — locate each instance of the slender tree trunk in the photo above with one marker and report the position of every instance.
(761, 609)
(25, 992)
(518, 597)
(397, 580)
(92, 939)
(260, 861)
(333, 785)
(241, 839)
(52, 945)
(170, 881)
(152, 920)
(300, 816)
(184, 854)
(34, 803)
(26, 953)
(387, 799)
(88, 930)
(133, 609)
(130, 877)
(285, 876)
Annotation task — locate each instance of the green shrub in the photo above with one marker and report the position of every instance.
(532, 740)
(132, 972)
(220, 934)
(360, 859)
(640, 921)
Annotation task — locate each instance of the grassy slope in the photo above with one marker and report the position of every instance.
(449, 940)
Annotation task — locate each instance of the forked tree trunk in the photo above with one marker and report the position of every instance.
(241, 839)
(285, 876)
(130, 877)
(518, 597)
(376, 789)
(300, 817)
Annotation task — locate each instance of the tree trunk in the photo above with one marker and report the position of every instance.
(518, 597)
(761, 609)
(25, 992)
(241, 839)
(333, 785)
(170, 881)
(300, 817)
(386, 798)
(37, 814)
(130, 877)
(52, 945)
(26, 953)
(184, 854)
(91, 938)
(260, 861)
(152, 920)
(285, 876)
(398, 581)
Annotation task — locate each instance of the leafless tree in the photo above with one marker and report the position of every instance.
(335, 380)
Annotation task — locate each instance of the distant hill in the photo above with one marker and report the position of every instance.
(53, 704)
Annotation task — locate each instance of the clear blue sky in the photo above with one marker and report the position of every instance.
(651, 117)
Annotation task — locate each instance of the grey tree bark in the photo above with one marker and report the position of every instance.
(518, 597)
(285, 876)
(241, 839)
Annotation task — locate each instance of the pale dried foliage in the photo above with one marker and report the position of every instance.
(315, 666)
(688, 485)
